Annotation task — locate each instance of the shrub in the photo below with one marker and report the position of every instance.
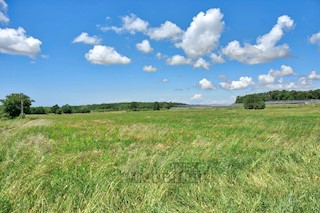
(156, 106)
(253, 102)
(66, 109)
(38, 110)
(54, 109)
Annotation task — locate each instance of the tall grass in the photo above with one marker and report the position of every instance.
(212, 160)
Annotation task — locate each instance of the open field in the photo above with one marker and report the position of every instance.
(194, 160)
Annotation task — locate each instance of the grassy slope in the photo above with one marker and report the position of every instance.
(265, 160)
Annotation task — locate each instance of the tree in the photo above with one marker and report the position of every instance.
(66, 109)
(156, 106)
(54, 109)
(134, 106)
(12, 104)
(253, 102)
(38, 110)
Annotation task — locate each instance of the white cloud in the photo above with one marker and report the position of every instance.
(285, 71)
(106, 55)
(217, 59)
(315, 39)
(144, 46)
(164, 80)
(3, 18)
(159, 55)
(3, 5)
(168, 30)
(3, 12)
(196, 97)
(313, 75)
(206, 84)
(266, 79)
(305, 81)
(272, 74)
(203, 34)
(149, 68)
(201, 63)
(243, 82)
(130, 23)
(178, 60)
(15, 41)
(85, 38)
(265, 50)
(282, 86)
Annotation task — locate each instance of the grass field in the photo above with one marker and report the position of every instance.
(195, 160)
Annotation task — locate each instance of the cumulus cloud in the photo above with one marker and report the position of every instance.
(265, 50)
(272, 74)
(313, 75)
(285, 71)
(149, 68)
(196, 97)
(144, 46)
(305, 81)
(201, 63)
(178, 60)
(266, 79)
(217, 59)
(131, 24)
(164, 80)
(168, 30)
(206, 84)
(243, 82)
(203, 34)
(282, 86)
(86, 39)
(315, 39)
(105, 55)
(15, 41)
(3, 12)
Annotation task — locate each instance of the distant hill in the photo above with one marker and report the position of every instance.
(284, 95)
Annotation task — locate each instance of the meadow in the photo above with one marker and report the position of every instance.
(188, 160)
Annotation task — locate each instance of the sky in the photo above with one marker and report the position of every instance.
(197, 52)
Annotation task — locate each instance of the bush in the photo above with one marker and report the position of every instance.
(38, 110)
(66, 109)
(58, 111)
(253, 102)
(54, 109)
(156, 106)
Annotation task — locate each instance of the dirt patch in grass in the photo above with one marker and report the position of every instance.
(38, 122)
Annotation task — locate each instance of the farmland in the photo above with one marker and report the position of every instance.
(187, 160)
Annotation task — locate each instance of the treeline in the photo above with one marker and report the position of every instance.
(128, 106)
(283, 95)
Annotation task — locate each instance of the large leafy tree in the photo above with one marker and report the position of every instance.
(12, 104)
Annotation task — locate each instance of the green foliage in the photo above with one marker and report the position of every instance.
(12, 105)
(253, 102)
(38, 110)
(156, 106)
(134, 106)
(54, 109)
(58, 111)
(66, 109)
(284, 95)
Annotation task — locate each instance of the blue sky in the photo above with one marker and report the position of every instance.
(199, 52)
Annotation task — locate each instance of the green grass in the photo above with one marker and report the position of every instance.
(248, 161)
